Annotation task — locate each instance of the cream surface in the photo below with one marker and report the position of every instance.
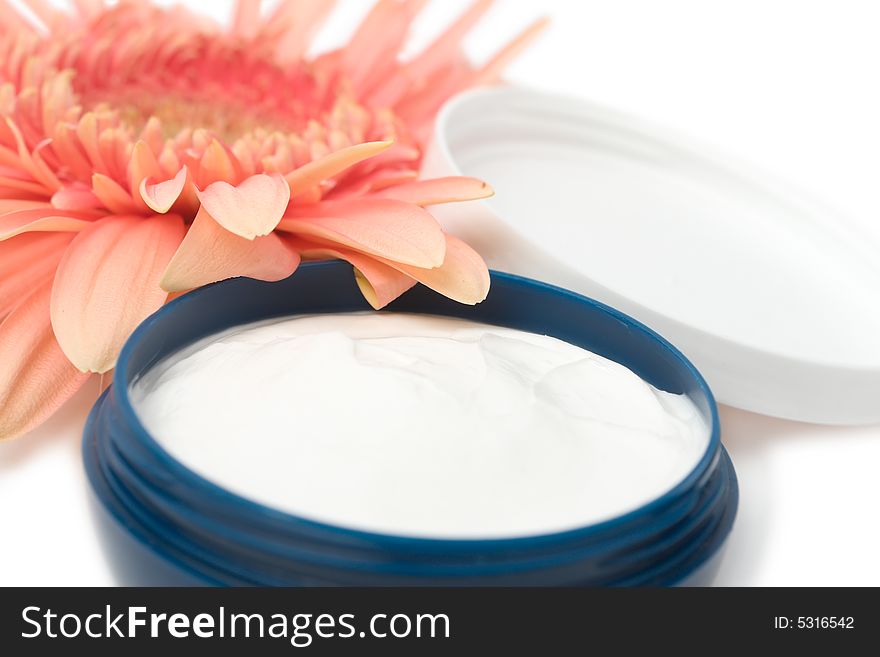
(420, 426)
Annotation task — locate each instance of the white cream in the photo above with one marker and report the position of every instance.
(420, 425)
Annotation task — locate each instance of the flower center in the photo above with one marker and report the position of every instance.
(222, 116)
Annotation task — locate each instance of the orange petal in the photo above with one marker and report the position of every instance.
(40, 220)
(75, 197)
(161, 196)
(448, 45)
(359, 186)
(493, 69)
(379, 283)
(251, 209)
(463, 276)
(398, 231)
(210, 253)
(438, 190)
(19, 187)
(35, 375)
(246, 18)
(89, 8)
(299, 20)
(87, 135)
(25, 262)
(108, 282)
(13, 20)
(112, 195)
(376, 43)
(48, 15)
(307, 176)
(441, 53)
(16, 204)
(31, 161)
(217, 163)
(141, 166)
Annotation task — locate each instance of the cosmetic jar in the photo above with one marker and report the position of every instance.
(770, 292)
(163, 524)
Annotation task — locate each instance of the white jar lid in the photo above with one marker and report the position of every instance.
(774, 297)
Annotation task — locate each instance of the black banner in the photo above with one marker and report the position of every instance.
(436, 621)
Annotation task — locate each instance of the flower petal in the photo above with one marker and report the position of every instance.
(398, 231)
(75, 197)
(14, 205)
(210, 253)
(298, 21)
(40, 220)
(25, 262)
(492, 70)
(217, 163)
(438, 190)
(448, 45)
(463, 277)
(35, 375)
(360, 186)
(48, 15)
(251, 209)
(445, 49)
(246, 18)
(376, 43)
(112, 195)
(303, 179)
(108, 282)
(379, 283)
(141, 165)
(161, 196)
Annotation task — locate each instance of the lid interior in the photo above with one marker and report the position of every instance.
(677, 231)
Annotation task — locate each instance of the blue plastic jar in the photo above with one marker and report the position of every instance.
(162, 524)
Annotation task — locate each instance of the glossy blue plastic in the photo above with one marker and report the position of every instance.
(163, 524)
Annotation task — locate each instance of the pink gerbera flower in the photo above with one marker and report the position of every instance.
(146, 152)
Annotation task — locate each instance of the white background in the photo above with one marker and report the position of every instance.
(789, 85)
